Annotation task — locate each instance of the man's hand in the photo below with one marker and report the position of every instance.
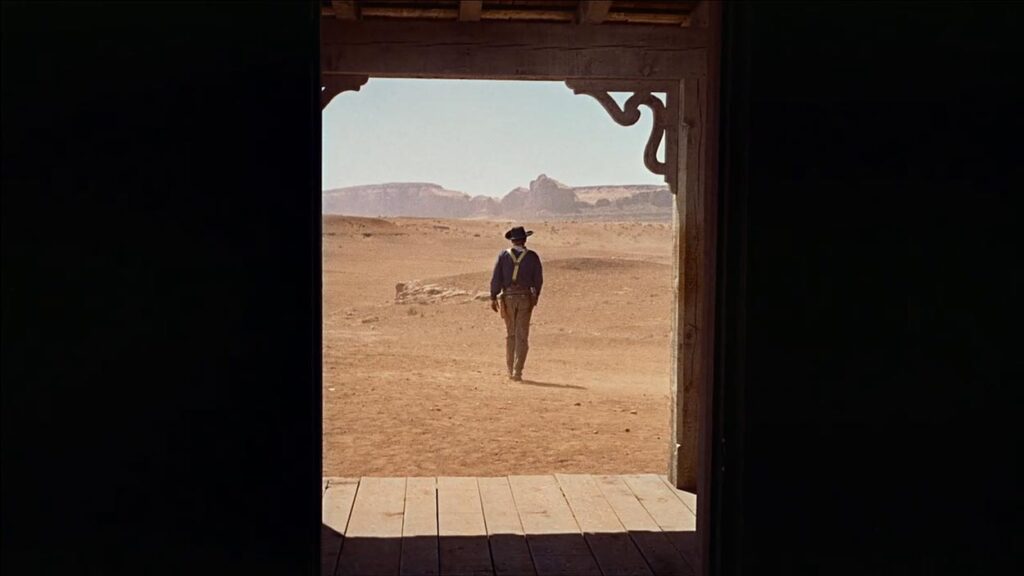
(494, 304)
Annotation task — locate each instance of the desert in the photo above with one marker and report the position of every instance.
(413, 357)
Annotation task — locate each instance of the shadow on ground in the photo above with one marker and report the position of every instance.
(600, 554)
(550, 384)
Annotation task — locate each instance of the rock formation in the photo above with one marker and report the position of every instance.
(397, 199)
(544, 198)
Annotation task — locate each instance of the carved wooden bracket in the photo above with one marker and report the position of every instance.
(664, 125)
(333, 84)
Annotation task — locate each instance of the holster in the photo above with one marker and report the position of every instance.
(501, 307)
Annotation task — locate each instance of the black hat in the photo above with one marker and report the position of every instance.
(518, 233)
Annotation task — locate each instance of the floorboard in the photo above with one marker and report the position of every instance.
(672, 515)
(688, 498)
(373, 542)
(509, 551)
(556, 543)
(551, 525)
(615, 552)
(419, 529)
(463, 535)
(336, 506)
(662, 557)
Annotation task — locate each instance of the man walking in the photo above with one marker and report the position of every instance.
(518, 277)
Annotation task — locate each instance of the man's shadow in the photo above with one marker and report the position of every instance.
(550, 384)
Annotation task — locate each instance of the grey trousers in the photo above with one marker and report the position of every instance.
(518, 309)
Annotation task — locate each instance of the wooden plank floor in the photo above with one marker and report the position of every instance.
(558, 525)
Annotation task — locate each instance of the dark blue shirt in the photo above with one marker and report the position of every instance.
(530, 273)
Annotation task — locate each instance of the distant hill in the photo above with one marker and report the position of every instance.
(544, 198)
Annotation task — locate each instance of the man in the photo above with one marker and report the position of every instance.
(518, 277)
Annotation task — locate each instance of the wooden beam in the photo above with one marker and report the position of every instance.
(514, 15)
(635, 18)
(489, 50)
(469, 10)
(593, 11)
(701, 14)
(345, 9)
(403, 12)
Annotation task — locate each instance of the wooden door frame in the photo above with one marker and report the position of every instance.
(682, 63)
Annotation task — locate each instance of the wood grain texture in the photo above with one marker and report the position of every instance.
(556, 543)
(409, 12)
(469, 10)
(689, 499)
(672, 516)
(373, 541)
(509, 551)
(533, 51)
(593, 11)
(461, 529)
(710, 187)
(700, 16)
(336, 507)
(345, 9)
(612, 547)
(419, 529)
(657, 549)
(691, 349)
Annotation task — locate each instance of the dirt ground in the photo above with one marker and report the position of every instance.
(417, 386)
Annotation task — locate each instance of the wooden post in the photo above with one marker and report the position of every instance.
(709, 94)
(691, 358)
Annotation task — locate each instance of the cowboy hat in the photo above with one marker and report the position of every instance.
(518, 233)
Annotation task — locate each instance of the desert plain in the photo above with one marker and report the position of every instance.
(414, 377)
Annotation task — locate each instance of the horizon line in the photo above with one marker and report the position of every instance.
(663, 185)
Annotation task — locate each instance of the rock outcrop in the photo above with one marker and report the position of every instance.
(544, 198)
(548, 196)
(416, 292)
(397, 199)
(484, 206)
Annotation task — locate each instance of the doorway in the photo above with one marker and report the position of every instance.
(680, 62)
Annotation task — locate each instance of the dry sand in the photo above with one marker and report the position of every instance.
(418, 387)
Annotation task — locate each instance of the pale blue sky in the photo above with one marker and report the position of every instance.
(476, 136)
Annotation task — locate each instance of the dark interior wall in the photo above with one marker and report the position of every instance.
(160, 241)
(870, 280)
(160, 288)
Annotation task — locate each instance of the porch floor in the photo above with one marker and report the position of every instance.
(558, 525)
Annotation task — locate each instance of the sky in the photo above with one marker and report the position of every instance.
(478, 136)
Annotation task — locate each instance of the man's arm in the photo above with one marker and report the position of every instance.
(496, 285)
(538, 280)
(496, 278)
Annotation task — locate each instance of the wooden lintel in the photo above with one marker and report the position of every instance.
(469, 10)
(522, 51)
(345, 9)
(593, 11)
(426, 12)
(700, 14)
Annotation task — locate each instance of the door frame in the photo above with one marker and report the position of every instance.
(681, 63)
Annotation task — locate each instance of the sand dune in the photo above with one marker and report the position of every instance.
(415, 385)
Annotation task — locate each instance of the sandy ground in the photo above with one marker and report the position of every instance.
(418, 387)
